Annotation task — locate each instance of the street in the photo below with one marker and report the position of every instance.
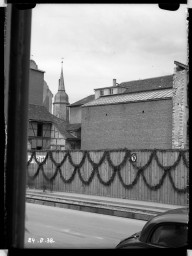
(52, 227)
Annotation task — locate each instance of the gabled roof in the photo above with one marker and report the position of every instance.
(149, 84)
(132, 97)
(38, 113)
(41, 114)
(83, 101)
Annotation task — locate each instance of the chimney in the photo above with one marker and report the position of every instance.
(114, 82)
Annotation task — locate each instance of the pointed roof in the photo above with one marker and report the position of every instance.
(61, 80)
(61, 96)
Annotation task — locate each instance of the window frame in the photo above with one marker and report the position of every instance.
(102, 92)
(160, 225)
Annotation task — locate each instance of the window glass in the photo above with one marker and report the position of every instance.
(170, 235)
(39, 130)
(46, 130)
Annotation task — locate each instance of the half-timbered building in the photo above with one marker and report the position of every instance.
(49, 132)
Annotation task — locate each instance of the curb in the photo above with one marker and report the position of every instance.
(95, 207)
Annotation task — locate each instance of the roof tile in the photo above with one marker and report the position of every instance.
(131, 97)
(149, 84)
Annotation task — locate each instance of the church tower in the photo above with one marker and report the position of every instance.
(61, 100)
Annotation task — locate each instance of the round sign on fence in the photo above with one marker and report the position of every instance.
(133, 157)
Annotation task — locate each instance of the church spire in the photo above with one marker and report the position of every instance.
(61, 80)
(61, 99)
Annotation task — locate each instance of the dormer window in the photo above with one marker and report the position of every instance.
(110, 91)
(101, 92)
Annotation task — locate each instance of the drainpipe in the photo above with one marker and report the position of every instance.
(17, 124)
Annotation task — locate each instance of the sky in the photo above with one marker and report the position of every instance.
(102, 42)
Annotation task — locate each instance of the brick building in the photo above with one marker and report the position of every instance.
(143, 114)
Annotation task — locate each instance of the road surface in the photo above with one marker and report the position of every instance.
(52, 227)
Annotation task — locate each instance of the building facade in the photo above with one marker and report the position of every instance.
(135, 121)
(143, 114)
(39, 92)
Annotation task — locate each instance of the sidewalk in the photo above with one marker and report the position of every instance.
(98, 204)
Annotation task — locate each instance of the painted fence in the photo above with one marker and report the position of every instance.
(148, 175)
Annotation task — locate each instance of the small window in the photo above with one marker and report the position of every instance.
(101, 92)
(111, 91)
(170, 235)
(39, 130)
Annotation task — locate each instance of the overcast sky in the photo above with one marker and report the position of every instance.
(102, 42)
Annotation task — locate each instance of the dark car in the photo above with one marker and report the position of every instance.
(166, 230)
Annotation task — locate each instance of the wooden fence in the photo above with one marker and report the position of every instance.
(148, 175)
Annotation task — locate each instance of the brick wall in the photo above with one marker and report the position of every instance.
(141, 125)
(180, 110)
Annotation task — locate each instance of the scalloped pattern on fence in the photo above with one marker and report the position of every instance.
(150, 175)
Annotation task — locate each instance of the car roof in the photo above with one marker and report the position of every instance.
(179, 215)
